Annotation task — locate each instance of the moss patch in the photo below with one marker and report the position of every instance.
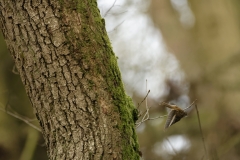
(92, 46)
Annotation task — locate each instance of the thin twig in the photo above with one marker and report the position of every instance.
(143, 99)
(116, 27)
(147, 108)
(171, 146)
(146, 116)
(190, 105)
(8, 108)
(143, 120)
(21, 118)
(143, 113)
(110, 8)
(157, 117)
(146, 112)
(205, 149)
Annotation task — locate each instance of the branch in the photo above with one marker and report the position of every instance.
(28, 122)
(199, 122)
(139, 104)
(110, 8)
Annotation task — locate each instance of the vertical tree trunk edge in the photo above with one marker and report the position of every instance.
(80, 39)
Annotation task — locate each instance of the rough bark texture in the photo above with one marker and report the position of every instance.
(70, 73)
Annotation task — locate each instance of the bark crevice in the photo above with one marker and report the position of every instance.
(70, 74)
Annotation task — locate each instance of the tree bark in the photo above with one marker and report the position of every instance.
(70, 73)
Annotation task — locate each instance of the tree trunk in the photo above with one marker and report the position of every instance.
(70, 73)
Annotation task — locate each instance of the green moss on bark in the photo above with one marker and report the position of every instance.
(93, 35)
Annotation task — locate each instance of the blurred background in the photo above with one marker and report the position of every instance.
(185, 49)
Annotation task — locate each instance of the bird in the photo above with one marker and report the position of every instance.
(175, 115)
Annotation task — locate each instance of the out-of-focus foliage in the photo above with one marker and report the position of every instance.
(204, 37)
(209, 54)
(18, 141)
